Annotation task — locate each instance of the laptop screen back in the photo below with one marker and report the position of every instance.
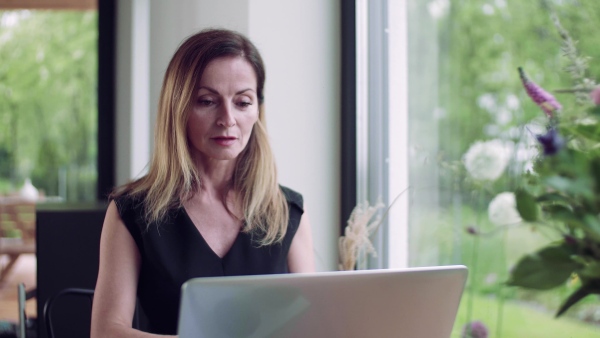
(413, 303)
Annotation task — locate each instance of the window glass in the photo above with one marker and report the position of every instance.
(48, 104)
(465, 95)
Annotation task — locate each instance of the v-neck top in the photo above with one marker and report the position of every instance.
(175, 251)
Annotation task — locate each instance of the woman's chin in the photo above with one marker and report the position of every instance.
(222, 155)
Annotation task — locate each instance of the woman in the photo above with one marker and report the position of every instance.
(210, 204)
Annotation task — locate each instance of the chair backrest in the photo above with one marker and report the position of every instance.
(73, 293)
(68, 253)
(68, 245)
(82, 294)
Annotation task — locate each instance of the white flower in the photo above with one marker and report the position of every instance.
(487, 160)
(487, 101)
(502, 210)
(512, 102)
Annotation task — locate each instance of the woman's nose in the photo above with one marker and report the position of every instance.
(226, 118)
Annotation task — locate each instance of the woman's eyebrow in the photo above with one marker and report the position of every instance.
(244, 90)
(214, 91)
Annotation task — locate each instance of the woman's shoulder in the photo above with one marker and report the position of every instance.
(130, 206)
(293, 197)
(127, 201)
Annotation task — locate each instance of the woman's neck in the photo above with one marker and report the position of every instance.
(213, 192)
(215, 178)
(217, 172)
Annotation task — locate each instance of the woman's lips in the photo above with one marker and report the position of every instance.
(224, 140)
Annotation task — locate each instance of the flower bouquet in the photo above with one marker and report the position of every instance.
(563, 190)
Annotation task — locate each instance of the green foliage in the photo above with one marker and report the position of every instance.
(48, 79)
(440, 240)
(527, 206)
(522, 320)
(545, 269)
(572, 178)
(481, 52)
(6, 158)
(567, 188)
(482, 43)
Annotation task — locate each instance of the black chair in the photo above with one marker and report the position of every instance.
(68, 246)
(78, 292)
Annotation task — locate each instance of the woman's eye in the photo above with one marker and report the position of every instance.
(205, 102)
(244, 104)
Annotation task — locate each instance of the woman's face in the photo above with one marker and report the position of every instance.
(225, 110)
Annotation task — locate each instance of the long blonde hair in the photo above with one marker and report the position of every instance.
(172, 177)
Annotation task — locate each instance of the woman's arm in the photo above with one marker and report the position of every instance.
(301, 257)
(116, 288)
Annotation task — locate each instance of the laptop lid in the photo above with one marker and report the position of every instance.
(411, 303)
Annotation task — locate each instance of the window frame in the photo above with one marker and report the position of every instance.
(107, 22)
(375, 141)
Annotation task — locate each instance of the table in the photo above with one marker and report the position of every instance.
(17, 217)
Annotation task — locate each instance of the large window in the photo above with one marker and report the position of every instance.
(48, 103)
(435, 78)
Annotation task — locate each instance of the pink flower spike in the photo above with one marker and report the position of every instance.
(541, 97)
(595, 95)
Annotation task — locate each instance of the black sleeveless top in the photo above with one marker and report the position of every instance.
(175, 251)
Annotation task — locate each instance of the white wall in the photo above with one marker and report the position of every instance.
(132, 92)
(299, 41)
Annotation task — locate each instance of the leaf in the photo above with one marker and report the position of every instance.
(570, 163)
(543, 270)
(595, 170)
(560, 212)
(592, 224)
(590, 131)
(591, 271)
(580, 186)
(527, 206)
(592, 287)
(559, 183)
(595, 111)
(552, 197)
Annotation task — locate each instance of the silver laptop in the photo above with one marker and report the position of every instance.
(409, 303)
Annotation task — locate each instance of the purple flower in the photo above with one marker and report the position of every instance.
(570, 240)
(474, 329)
(552, 142)
(472, 230)
(595, 95)
(541, 97)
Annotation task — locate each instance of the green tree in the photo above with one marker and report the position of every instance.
(48, 97)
